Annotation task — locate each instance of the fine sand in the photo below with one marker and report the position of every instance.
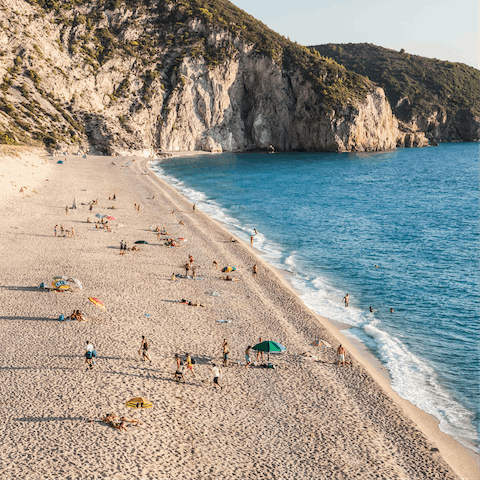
(306, 419)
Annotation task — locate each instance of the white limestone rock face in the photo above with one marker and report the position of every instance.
(246, 103)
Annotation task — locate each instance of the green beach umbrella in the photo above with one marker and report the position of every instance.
(269, 347)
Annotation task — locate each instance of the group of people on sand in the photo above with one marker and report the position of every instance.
(64, 232)
(76, 315)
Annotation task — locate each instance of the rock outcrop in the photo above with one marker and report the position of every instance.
(60, 91)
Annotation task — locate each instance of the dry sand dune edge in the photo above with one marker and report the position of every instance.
(304, 420)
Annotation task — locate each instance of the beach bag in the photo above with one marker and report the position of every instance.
(94, 354)
(88, 355)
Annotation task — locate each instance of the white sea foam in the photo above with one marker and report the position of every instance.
(412, 377)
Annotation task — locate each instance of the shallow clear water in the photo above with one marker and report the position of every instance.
(330, 218)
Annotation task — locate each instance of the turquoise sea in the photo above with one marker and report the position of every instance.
(329, 218)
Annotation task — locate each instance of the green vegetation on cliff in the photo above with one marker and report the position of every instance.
(414, 85)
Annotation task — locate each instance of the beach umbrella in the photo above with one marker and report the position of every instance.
(66, 283)
(99, 215)
(139, 402)
(269, 347)
(98, 303)
(110, 218)
(143, 242)
(228, 269)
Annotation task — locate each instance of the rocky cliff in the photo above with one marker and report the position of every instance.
(175, 75)
(432, 99)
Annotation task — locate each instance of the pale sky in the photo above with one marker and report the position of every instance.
(442, 29)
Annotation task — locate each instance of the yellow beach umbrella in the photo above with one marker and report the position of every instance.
(139, 402)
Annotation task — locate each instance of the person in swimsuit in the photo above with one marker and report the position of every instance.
(187, 269)
(215, 265)
(225, 352)
(346, 300)
(341, 356)
(247, 356)
(189, 364)
(255, 271)
(89, 356)
(179, 371)
(259, 353)
(251, 240)
(144, 350)
(56, 230)
(255, 230)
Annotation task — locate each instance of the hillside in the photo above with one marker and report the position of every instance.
(175, 75)
(433, 96)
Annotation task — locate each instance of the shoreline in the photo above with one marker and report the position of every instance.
(462, 459)
(303, 420)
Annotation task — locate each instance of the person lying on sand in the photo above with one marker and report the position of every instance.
(135, 249)
(120, 423)
(228, 278)
(181, 222)
(233, 240)
(193, 304)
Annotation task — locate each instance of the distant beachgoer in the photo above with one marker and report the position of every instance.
(56, 230)
(89, 355)
(215, 265)
(255, 271)
(189, 364)
(109, 196)
(191, 259)
(88, 220)
(144, 349)
(255, 230)
(194, 272)
(136, 206)
(121, 244)
(115, 197)
(187, 269)
(225, 352)
(179, 369)
(66, 209)
(61, 229)
(346, 300)
(173, 277)
(216, 375)
(376, 266)
(341, 356)
(251, 240)
(91, 207)
(233, 240)
(72, 233)
(259, 353)
(247, 356)
(391, 310)
(193, 207)
(371, 309)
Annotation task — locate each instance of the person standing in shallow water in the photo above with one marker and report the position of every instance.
(346, 300)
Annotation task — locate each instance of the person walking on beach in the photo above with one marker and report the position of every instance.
(179, 369)
(72, 233)
(144, 349)
(66, 210)
(114, 197)
(225, 352)
(189, 362)
(346, 300)
(341, 356)
(255, 271)
(216, 375)
(135, 206)
(56, 230)
(247, 356)
(61, 229)
(121, 244)
(89, 355)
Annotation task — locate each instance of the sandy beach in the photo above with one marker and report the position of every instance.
(306, 419)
